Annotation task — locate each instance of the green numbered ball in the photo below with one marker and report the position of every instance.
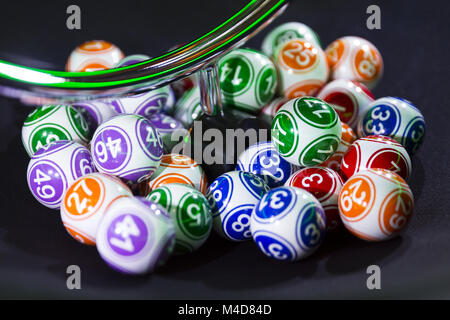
(306, 131)
(248, 79)
(188, 107)
(285, 32)
(190, 211)
(53, 123)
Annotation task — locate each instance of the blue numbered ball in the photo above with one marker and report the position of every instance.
(232, 197)
(288, 224)
(264, 160)
(397, 118)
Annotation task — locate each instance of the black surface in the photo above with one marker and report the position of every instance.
(35, 249)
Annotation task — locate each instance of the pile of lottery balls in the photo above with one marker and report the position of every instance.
(337, 157)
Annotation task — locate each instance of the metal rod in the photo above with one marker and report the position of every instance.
(211, 101)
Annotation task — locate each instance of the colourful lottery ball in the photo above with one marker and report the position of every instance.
(54, 167)
(94, 55)
(127, 146)
(376, 152)
(350, 99)
(396, 118)
(376, 204)
(95, 112)
(286, 32)
(306, 131)
(324, 184)
(268, 112)
(302, 67)
(170, 129)
(85, 202)
(355, 58)
(288, 224)
(347, 138)
(264, 160)
(248, 79)
(232, 197)
(188, 108)
(52, 123)
(131, 59)
(135, 236)
(190, 212)
(177, 168)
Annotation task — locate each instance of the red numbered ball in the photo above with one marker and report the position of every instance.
(376, 152)
(347, 138)
(350, 99)
(324, 184)
(376, 204)
(355, 58)
(94, 55)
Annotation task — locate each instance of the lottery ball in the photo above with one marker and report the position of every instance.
(376, 152)
(286, 32)
(94, 55)
(85, 202)
(355, 58)
(54, 167)
(127, 146)
(190, 212)
(52, 123)
(95, 112)
(135, 236)
(268, 111)
(131, 59)
(177, 168)
(188, 108)
(302, 68)
(376, 204)
(170, 129)
(324, 184)
(349, 98)
(396, 118)
(248, 79)
(264, 160)
(232, 197)
(288, 224)
(347, 138)
(179, 87)
(306, 131)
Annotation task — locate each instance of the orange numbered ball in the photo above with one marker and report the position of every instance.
(302, 67)
(177, 168)
(376, 204)
(377, 152)
(94, 55)
(347, 138)
(85, 202)
(355, 58)
(324, 184)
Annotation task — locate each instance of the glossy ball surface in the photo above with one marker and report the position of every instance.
(324, 184)
(302, 68)
(232, 197)
(54, 167)
(264, 160)
(85, 202)
(127, 146)
(95, 112)
(94, 55)
(135, 236)
(288, 224)
(248, 79)
(286, 32)
(350, 99)
(190, 212)
(347, 138)
(306, 131)
(268, 111)
(188, 107)
(376, 152)
(376, 204)
(52, 123)
(170, 129)
(396, 118)
(355, 58)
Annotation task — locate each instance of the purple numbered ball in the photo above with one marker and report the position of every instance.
(135, 236)
(128, 146)
(54, 167)
(171, 130)
(95, 112)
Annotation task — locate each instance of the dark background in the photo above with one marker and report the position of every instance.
(35, 250)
